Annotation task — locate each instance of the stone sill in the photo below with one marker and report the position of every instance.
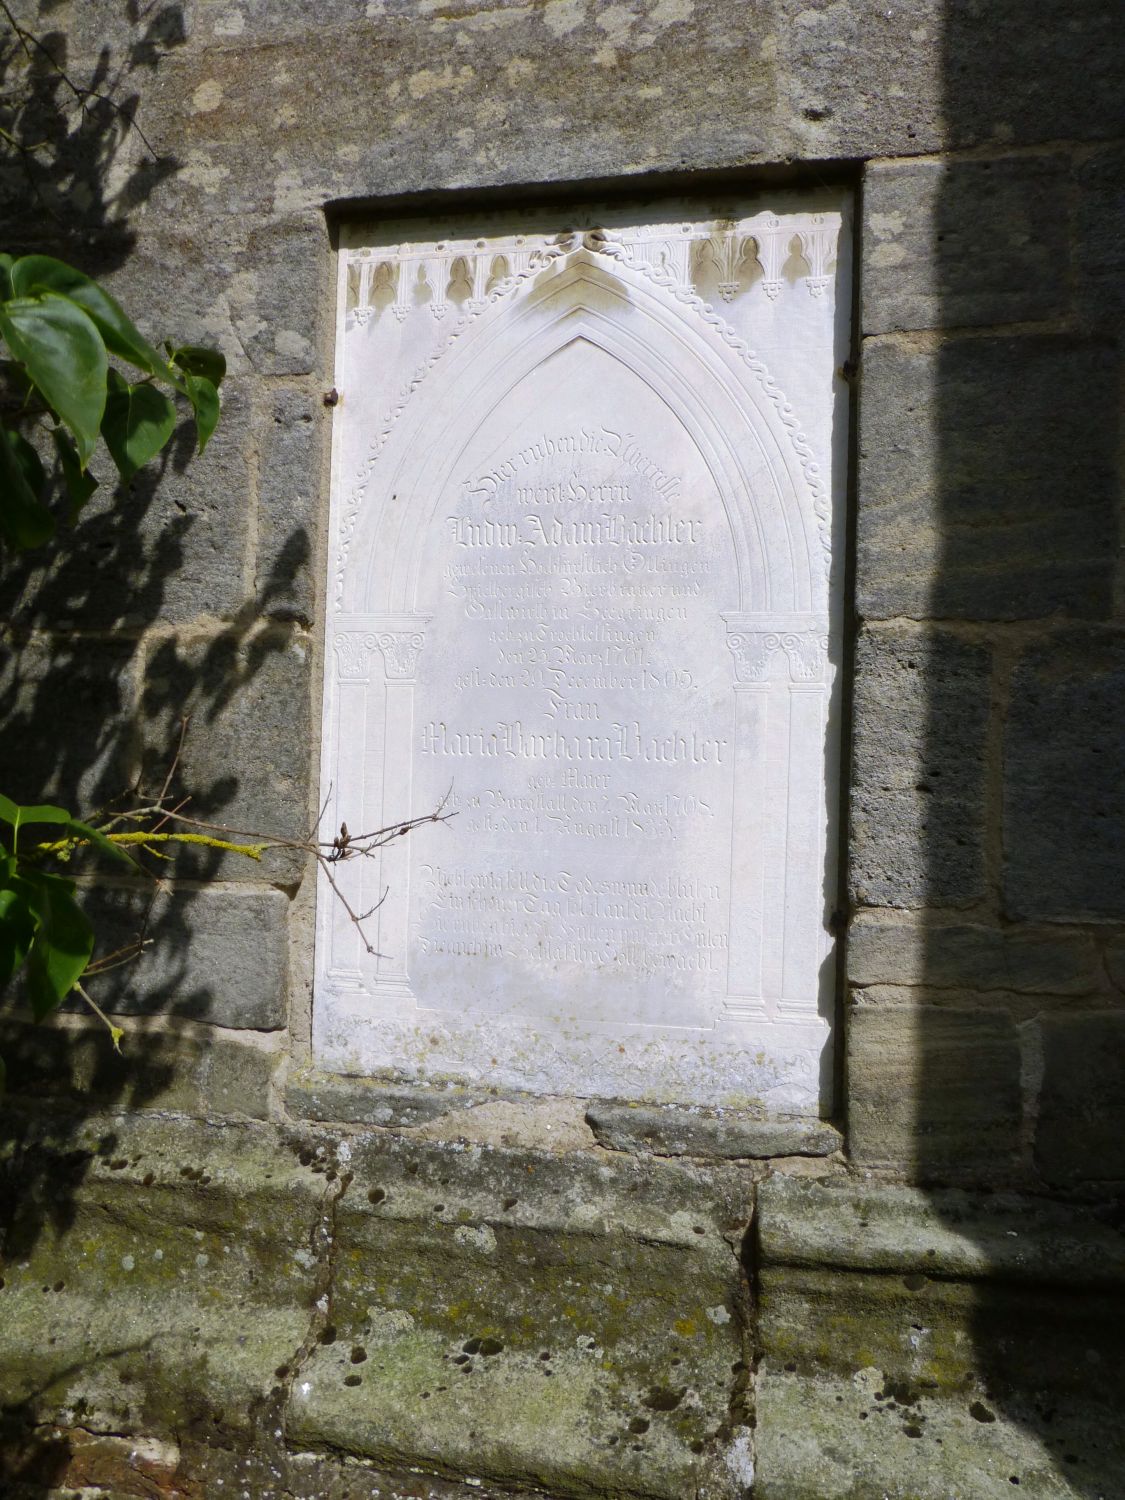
(635, 1128)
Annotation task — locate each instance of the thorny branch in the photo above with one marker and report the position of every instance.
(158, 824)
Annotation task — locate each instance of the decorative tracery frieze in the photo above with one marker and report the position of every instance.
(467, 276)
(408, 277)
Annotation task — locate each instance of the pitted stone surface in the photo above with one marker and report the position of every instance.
(921, 711)
(699, 1132)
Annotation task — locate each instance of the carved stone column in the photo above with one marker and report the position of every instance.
(776, 895)
(353, 652)
(399, 639)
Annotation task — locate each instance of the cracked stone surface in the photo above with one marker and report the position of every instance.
(254, 1291)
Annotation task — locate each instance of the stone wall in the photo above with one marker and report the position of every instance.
(982, 1024)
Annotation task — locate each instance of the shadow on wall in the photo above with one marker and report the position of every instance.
(92, 696)
(1001, 521)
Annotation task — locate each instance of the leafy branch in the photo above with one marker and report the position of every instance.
(63, 331)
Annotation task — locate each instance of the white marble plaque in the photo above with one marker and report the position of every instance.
(586, 506)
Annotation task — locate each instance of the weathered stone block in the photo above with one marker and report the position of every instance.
(367, 1101)
(946, 1234)
(168, 547)
(216, 956)
(918, 797)
(500, 1375)
(932, 1343)
(1080, 1131)
(884, 948)
(70, 731)
(920, 78)
(667, 1131)
(245, 762)
(284, 296)
(865, 1436)
(69, 1061)
(291, 499)
(932, 1091)
(1100, 254)
(715, 78)
(178, 285)
(1115, 961)
(973, 506)
(192, 1286)
(947, 244)
(1064, 794)
(238, 1078)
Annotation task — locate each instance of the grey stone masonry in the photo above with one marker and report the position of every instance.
(970, 506)
(918, 772)
(934, 1090)
(1064, 794)
(228, 1271)
(216, 954)
(720, 1133)
(883, 948)
(1080, 1130)
(964, 242)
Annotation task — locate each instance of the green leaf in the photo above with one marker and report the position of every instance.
(41, 812)
(32, 274)
(17, 931)
(63, 942)
(6, 264)
(99, 840)
(204, 399)
(138, 421)
(80, 485)
(24, 520)
(193, 359)
(63, 353)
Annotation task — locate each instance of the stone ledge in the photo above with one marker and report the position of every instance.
(880, 1228)
(241, 1281)
(344, 1100)
(935, 1346)
(664, 1130)
(867, 1438)
(636, 1129)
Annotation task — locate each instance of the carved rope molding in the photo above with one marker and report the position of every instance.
(600, 243)
(667, 268)
(537, 258)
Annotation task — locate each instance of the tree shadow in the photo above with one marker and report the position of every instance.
(131, 620)
(1021, 765)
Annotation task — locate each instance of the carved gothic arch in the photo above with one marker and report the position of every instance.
(729, 411)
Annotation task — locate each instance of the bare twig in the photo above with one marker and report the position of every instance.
(115, 1032)
(28, 40)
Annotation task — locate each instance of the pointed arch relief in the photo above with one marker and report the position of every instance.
(582, 585)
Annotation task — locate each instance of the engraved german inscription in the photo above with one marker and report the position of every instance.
(583, 597)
